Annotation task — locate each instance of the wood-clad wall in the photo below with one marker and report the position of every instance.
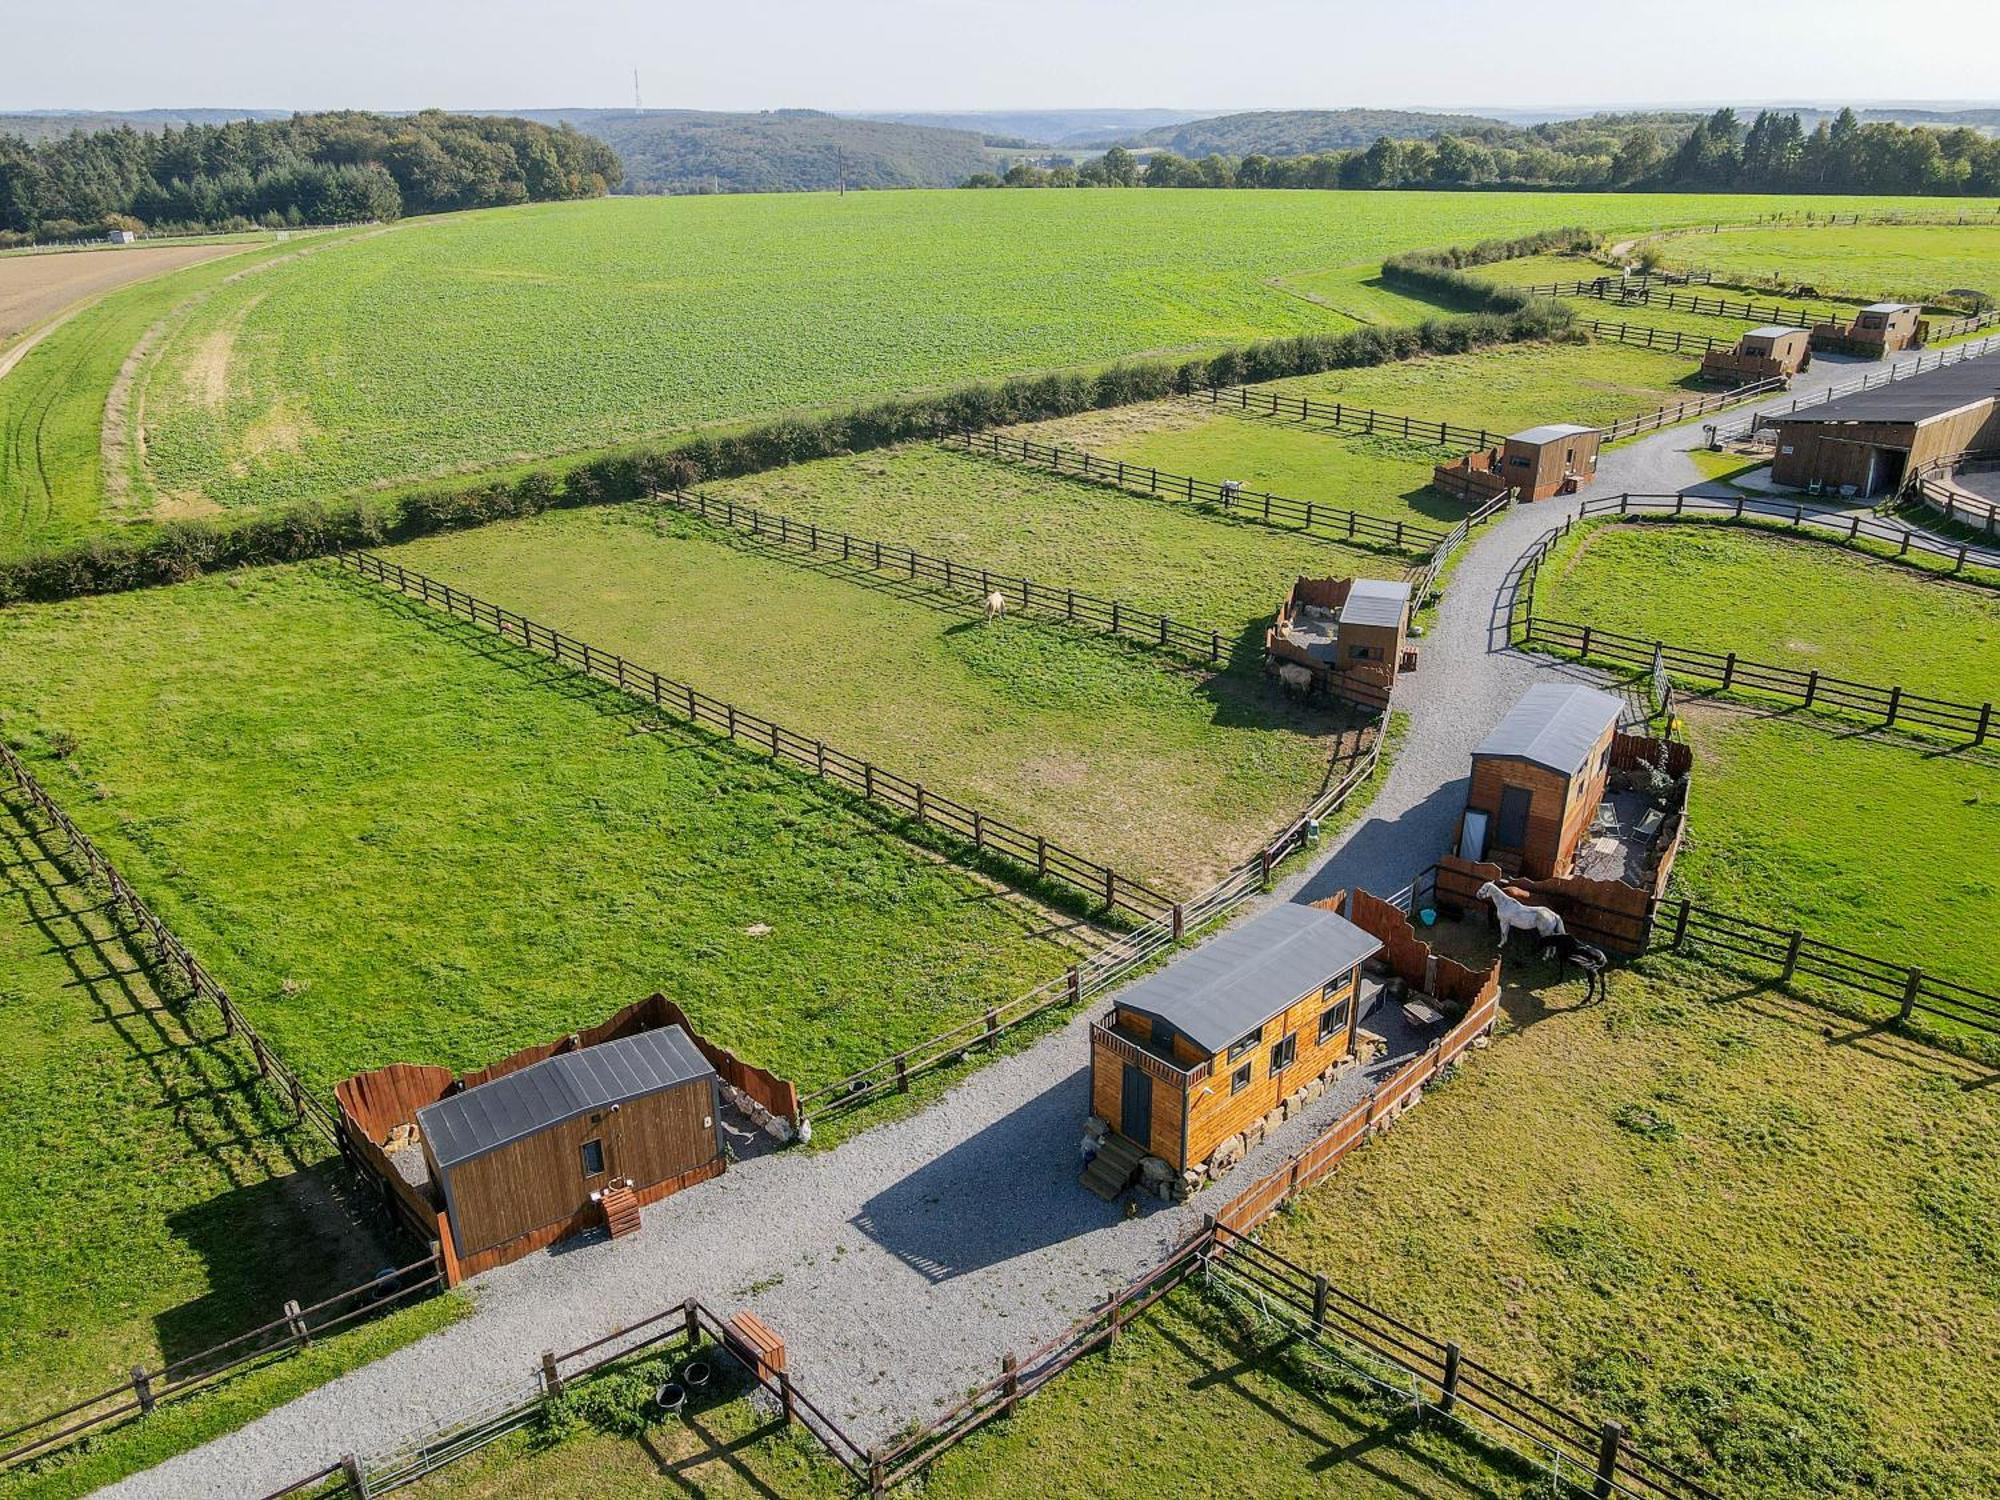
(1215, 1114)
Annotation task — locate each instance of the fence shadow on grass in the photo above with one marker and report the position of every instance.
(683, 1473)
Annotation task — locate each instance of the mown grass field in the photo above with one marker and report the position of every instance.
(395, 838)
(1910, 261)
(580, 325)
(1787, 601)
(1169, 772)
(159, 1199)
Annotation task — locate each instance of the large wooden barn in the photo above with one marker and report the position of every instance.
(1537, 779)
(1866, 443)
(1190, 1056)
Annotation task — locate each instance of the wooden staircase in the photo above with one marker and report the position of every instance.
(621, 1211)
(1112, 1169)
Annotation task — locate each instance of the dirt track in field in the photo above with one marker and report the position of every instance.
(34, 288)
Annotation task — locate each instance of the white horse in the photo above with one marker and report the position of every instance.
(1539, 922)
(996, 605)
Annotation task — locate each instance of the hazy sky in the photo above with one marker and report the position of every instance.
(986, 54)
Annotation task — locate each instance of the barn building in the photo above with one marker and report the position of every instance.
(1876, 330)
(1773, 353)
(1346, 634)
(1192, 1055)
(1537, 780)
(1555, 459)
(1869, 441)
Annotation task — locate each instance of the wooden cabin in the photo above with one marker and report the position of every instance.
(1220, 1037)
(1865, 444)
(1876, 330)
(1555, 459)
(1772, 353)
(566, 1139)
(1346, 635)
(1537, 780)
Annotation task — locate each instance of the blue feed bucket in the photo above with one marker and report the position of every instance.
(1428, 916)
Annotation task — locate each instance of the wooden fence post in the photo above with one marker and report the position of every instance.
(1010, 1383)
(142, 1388)
(691, 1320)
(785, 1398)
(1792, 955)
(902, 1073)
(551, 1376)
(1449, 1397)
(878, 1486)
(1910, 988)
(1985, 723)
(1321, 1291)
(1895, 705)
(1729, 671)
(1681, 923)
(1180, 922)
(1610, 1441)
(356, 1474)
(1075, 984)
(296, 1325)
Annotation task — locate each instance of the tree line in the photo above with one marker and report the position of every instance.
(1718, 153)
(309, 169)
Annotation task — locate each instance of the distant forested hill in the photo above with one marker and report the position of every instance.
(1299, 132)
(1048, 127)
(778, 151)
(46, 124)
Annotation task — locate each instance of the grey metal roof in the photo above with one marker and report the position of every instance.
(1887, 307)
(516, 1105)
(1772, 331)
(1375, 601)
(1234, 983)
(1548, 432)
(1553, 725)
(1913, 399)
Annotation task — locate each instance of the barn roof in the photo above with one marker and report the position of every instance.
(1553, 725)
(1375, 601)
(1234, 983)
(1548, 432)
(1931, 394)
(1888, 307)
(518, 1104)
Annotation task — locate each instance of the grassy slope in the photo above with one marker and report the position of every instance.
(1875, 260)
(1775, 599)
(397, 840)
(578, 325)
(1171, 774)
(1158, 554)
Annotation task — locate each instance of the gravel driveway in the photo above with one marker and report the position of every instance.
(902, 1264)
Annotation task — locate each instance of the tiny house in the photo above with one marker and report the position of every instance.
(1772, 353)
(573, 1140)
(1537, 780)
(1557, 458)
(1877, 329)
(1346, 635)
(1190, 1056)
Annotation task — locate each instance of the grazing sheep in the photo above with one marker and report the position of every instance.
(996, 605)
(1295, 679)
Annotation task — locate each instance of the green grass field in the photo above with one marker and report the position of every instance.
(204, 1206)
(575, 326)
(1776, 599)
(1170, 773)
(1910, 261)
(395, 838)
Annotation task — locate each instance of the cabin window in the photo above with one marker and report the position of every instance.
(1522, 463)
(1336, 985)
(593, 1158)
(1283, 1053)
(1360, 653)
(1238, 1048)
(1333, 1021)
(1240, 1079)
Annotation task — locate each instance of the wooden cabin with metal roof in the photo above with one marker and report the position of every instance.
(1557, 458)
(1346, 635)
(1537, 779)
(1878, 329)
(1771, 353)
(1218, 1038)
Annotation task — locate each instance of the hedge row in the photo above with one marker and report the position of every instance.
(1441, 273)
(180, 550)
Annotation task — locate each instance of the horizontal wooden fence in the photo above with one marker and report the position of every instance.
(1839, 524)
(1676, 412)
(172, 955)
(1588, 287)
(892, 559)
(292, 1330)
(1636, 294)
(1870, 380)
(1645, 337)
(988, 837)
(1345, 418)
(1312, 516)
(1891, 707)
(1932, 486)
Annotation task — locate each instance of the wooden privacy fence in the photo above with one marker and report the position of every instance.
(1724, 671)
(1310, 516)
(1107, 966)
(975, 580)
(989, 837)
(172, 955)
(1344, 418)
(1868, 381)
(294, 1329)
(1680, 411)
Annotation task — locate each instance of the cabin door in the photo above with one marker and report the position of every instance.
(1511, 831)
(1135, 1106)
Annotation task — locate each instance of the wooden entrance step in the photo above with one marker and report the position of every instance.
(621, 1211)
(1112, 1169)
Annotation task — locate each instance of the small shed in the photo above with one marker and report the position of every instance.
(1346, 634)
(1554, 459)
(1537, 779)
(548, 1144)
(1190, 1056)
(1877, 329)
(1771, 353)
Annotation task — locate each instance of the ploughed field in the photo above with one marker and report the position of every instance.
(1167, 770)
(462, 342)
(34, 288)
(396, 838)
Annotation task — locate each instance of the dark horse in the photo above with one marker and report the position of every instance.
(1573, 952)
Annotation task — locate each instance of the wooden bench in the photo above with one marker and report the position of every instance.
(751, 1340)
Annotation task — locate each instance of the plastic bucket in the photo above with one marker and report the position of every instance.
(670, 1398)
(696, 1375)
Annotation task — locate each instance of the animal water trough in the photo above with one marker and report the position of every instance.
(671, 1398)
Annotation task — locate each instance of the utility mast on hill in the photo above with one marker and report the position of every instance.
(637, 107)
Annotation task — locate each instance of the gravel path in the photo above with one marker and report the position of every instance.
(902, 1264)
